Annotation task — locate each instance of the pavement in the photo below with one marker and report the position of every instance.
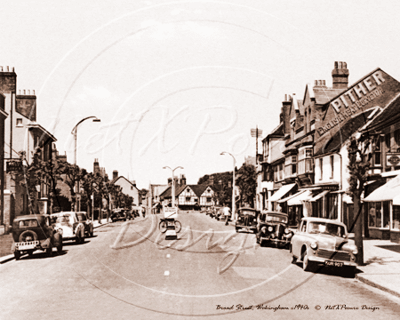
(381, 267)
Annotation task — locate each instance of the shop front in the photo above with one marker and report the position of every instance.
(383, 211)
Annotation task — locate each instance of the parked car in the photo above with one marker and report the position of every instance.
(323, 242)
(118, 214)
(70, 224)
(272, 227)
(247, 219)
(87, 222)
(34, 232)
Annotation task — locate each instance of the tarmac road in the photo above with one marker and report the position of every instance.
(127, 272)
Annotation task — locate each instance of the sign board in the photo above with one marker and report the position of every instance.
(170, 213)
(392, 159)
(14, 166)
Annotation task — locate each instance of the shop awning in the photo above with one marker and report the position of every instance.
(281, 192)
(291, 197)
(298, 200)
(389, 191)
(319, 196)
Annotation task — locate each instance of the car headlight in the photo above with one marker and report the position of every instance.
(287, 230)
(314, 245)
(354, 251)
(270, 229)
(264, 229)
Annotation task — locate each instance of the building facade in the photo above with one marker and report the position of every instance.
(304, 170)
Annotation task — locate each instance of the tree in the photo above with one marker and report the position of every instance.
(247, 182)
(71, 175)
(358, 169)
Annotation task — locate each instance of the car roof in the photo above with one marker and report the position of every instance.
(315, 219)
(30, 216)
(62, 213)
(275, 212)
(246, 208)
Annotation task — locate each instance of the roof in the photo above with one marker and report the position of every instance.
(324, 95)
(198, 189)
(113, 181)
(389, 115)
(34, 125)
(341, 136)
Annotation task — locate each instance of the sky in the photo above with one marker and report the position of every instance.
(175, 83)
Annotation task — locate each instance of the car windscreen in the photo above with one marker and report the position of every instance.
(326, 228)
(63, 219)
(276, 218)
(82, 215)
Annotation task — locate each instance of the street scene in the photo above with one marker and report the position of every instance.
(198, 159)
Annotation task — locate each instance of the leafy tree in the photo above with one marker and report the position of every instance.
(247, 182)
(71, 174)
(358, 169)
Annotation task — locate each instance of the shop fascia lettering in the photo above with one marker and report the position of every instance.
(354, 99)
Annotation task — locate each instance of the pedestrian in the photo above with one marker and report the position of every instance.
(227, 213)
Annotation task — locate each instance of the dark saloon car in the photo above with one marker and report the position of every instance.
(247, 220)
(118, 214)
(88, 223)
(272, 227)
(34, 232)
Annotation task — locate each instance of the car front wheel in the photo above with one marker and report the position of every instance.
(307, 265)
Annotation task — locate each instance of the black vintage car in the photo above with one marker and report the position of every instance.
(118, 214)
(272, 227)
(34, 232)
(247, 219)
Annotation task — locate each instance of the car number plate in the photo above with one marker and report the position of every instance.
(27, 245)
(333, 263)
(170, 224)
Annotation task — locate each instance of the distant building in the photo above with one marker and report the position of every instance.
(128, 187)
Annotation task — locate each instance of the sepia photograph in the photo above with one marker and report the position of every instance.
(199, 159)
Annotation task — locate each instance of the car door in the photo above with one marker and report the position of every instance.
(297, 239)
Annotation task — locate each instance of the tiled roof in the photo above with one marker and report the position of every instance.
(324, 95)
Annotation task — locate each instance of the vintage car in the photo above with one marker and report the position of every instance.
(272, 227)
(34, 232)
(246, 220)
(70, 224)
(323, 242)
(118, 214)
(87, 222)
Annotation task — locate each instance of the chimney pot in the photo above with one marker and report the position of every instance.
(340, 75)
(13, 70)
(33, 92)
(7, 69)
(24, 91)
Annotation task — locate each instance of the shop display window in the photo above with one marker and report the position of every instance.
(396, 218)
(386, 214)
(372, 214)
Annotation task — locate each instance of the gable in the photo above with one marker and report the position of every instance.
(375, 89)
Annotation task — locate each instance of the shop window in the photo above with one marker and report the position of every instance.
(388, 141)
(377, 152)
(321, 163)
(372, 214)
(386, 214)
(396, 218)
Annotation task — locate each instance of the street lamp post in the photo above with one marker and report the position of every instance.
(75, 133)
(233, 185)
(173, 183)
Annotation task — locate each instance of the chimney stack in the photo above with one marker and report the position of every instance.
(115, 174)
(96, 166)
(340, 75)
(285, 113)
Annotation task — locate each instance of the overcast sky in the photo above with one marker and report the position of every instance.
(175, 83)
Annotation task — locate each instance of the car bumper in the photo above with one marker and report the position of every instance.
(320, 260)
(239, 226)
(275, 240)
